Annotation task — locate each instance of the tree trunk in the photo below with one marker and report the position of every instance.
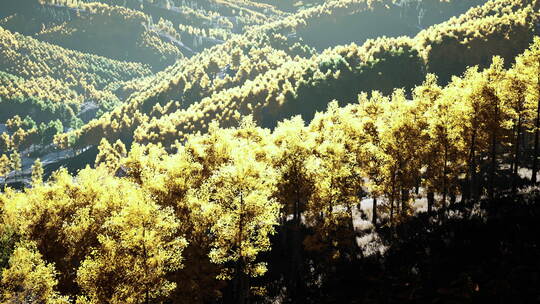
(400, 201)
(404, 201)
(295, 208)
(536, 144)
(465, 188)
(241, 289)
(374, 217)
(392, 212)
(445, 186)
(353, 245)
(392, 199)
(145, 255)
(493, 159)
(472, 167)
(512, 163)
(296, 246)
(242, 285)
(431, 201)
(515, 168)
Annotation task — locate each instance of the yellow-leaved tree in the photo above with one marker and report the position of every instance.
(514, 94)
(370, 150)
(529, 64)
(137, 248)
(335, 170)
(96, 222)
(168, 178)
(444, 146)
(16, 162)
(110, 155)
(294, 145)
(29, 279)
(498, 116)
(400, 137)
(425, 96)
(236, 201)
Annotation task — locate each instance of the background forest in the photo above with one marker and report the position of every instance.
(269, 151)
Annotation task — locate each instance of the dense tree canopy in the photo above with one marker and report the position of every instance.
(240, 151)
(167, 226)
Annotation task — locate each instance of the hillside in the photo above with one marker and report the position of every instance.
(269, 151)
(304, 86)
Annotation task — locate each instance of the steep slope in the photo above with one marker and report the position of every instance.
(280, 35)
(306, 85)
(27, 57)
(41, 98)
(344, 21)
(110, 31)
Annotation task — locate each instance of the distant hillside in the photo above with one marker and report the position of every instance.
(156, 71)
(111, 31)
(307, 85)
(344, 21)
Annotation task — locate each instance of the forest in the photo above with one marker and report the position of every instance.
(269, 151)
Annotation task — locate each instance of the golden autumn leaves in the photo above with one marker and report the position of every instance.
(171, 224)
(141, 225)
(106, 227)
(156, 225)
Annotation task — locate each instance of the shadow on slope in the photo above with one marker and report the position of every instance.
(482, 252)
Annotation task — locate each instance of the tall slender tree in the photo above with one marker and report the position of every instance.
(369, 110)
(425, 96)
(496, 116)
(335, 168)
(445, 142)
(514, 94)
(529, 64)
(237, 204)
(294, 146)
(16, 162)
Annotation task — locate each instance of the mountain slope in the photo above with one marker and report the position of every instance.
(293, 87)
